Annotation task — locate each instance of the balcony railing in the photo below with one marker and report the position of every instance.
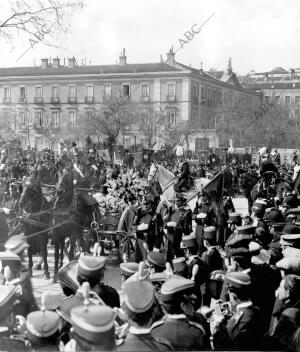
(171, 98)
(38, 100)
(72, 100)
(6, 100)
(54, 100)
(22, 100)
(89, 100)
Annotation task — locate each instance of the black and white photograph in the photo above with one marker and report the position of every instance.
(149, 175)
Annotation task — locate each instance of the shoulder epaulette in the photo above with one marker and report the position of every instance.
(197, 325)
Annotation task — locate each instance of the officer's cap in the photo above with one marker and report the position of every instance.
(246, 230)
(11, 259)
(240, 253)
(291, 232)
(291, 264)
(259, 206)
(90, 266)
(42, 326)
(234, 218)
(239, 241)
(143, 227)
(260, 258)
(179, 264)
(156, 258)
(129, 268)
(94, 324)
(138, 295)
(176, 287)
(238, 279)
(275, 217)
(189, 241)
(210, 233)
(201, 216)
(16, 243)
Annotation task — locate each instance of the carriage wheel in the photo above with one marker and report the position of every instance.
(127, 236)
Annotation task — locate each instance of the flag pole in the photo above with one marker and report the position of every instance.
(218, 174)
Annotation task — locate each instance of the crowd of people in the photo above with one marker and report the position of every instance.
(200, 279)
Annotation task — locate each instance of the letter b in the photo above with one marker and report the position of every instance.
(189, 35)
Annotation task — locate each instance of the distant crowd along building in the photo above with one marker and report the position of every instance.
(279, 85)
(37, 101)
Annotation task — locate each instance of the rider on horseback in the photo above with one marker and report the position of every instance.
(185, 181)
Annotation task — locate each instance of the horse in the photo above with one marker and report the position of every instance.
(36, 219)
(69, 211)
(167, 180)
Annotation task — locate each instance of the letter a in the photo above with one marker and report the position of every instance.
(32, 42)
(181, 41)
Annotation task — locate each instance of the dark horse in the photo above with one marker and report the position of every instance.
(247, 183)
(36, 219)
(70, 211)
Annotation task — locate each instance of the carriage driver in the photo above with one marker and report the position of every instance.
(150, 229)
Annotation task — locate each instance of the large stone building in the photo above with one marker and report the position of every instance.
(36, 102)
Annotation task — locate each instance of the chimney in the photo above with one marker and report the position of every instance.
(171, 56)
(44, 63)
(71, 62)
(123, 58)
(56, 62)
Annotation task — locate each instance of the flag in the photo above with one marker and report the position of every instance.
(220, 183)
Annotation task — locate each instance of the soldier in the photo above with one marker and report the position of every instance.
(177, 296)
(139, 306)
(245, 329)
(10, 206)
(180, 223)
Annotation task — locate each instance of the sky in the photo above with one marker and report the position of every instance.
(257, 34)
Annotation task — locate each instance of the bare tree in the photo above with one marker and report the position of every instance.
(38, 19)
(181, 132)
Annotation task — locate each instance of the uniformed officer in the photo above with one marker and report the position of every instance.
(177, 297)
(140, 306)
(180, 223)
(91, 269)
(246, 328)
(10, 204)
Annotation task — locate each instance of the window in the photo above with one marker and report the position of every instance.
(72, 91)
(171, 89)
(126, 90)
(55, 118)
(54, 92)
(38, 92)
(38, 119)
(22, 117)
(22, 96)
(297, 100)
(172, 117)
(277, 99)
(194, 115)
(6, 93)
(107, 90)
(89, 91)
(72, 117)
(287, 99)
(145, 90)
(202, 92)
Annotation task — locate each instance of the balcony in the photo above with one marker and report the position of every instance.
(89, 100)
(171, 98)
(72, 100)
(145, 99)
(38, 100)
(6, 101)
(54, 100)
(22, 100)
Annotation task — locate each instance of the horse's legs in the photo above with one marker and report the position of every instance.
(30, 262)
(61, 254)
(44, 254)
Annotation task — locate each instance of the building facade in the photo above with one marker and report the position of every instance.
(43, 105)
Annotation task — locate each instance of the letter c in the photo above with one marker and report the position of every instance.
(195, 31)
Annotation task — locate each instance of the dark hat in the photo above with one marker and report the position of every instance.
(239, 241)
(210, 233)
(240, 252)
(238, 279)
(246, 230)
(7, 300)
(234, 218)
(291, 232)
(189, 241)
(175, 288)
(129, 268)
(157, 259)
(95, 324)
(12, 260)
(259, 206)
(42, 326)
(91, 266)
(139, 295)
(290, 201)
(179, 264)
(275, 217)
(16, 243)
